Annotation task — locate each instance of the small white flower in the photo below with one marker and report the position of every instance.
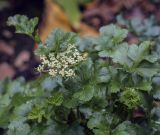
(61, 63)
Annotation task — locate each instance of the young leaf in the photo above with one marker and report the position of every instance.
(37, 113)
(130, 98)
(23, 24)
(56, 99)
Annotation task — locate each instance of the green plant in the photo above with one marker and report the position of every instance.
(143, 28)
(114, 90)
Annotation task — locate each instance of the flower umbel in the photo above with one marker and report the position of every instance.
(61, 63)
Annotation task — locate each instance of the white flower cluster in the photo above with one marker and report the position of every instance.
(62, 63)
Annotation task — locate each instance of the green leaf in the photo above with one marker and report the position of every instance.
(23, 110)
(117, 82)
(41, 50)
(103, 75)
(147, 72)
(87, 112)
(49, 83)
(37, 113)
(127, 128)
(95, 120)
(157, 95)
(56, 99)
(144, 85)
(105, 53)
(98, 124)
(114, 86)
(100, 92)
(138, 53)
(58, 41)
(103, 130)
(52, 129)
(152, 58)
(18, 127)
(131, 55)
(85, 44)
(5, 100)
(156, 80)
(15, 86)
(117, 33)
(23, 24)
(110, 37)
(86, 71)
(155, 124)
(131, 98)
(77, 130)
(86, 93)
(4, 111)
(71, 102)
(121, 56)
(156, 112)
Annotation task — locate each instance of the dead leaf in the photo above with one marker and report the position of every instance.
(20, 61)
(86, 30)
(6, 71)
(138, 113)
(6, 48)
(55, 17)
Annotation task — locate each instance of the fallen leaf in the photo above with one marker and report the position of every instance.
(54, 17)
(6, 71)
(20, 61)
(6, 48)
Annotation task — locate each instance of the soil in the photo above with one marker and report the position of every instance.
(16, 50)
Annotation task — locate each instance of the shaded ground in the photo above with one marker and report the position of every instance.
(16, 51)
(102, 12)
